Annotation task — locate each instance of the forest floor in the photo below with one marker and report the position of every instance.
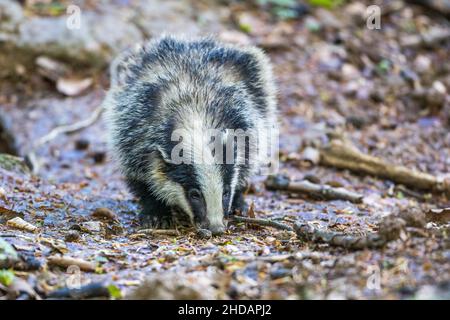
(385, 90)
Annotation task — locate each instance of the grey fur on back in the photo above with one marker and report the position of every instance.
(155, 85)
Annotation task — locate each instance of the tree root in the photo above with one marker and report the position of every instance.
(319, 191)
(343, 155)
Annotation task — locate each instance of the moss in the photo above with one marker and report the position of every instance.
(13, 163)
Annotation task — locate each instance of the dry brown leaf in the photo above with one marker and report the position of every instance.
(65, 262)
(251, 210)
(7, 214)
(438, 215)
(56, 244)
(21, 224)
(104, 213)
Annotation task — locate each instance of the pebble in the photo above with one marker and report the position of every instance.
(72, 236)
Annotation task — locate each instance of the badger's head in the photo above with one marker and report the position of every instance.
(201, 188)
(202, 191)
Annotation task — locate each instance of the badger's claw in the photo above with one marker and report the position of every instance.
(156, 221)
(239, 204)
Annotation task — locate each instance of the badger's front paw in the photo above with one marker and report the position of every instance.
(151, 221)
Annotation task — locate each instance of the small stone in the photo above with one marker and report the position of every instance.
(81, 144)
(104, 213)
(99, 156)
(436, 95)
(91, 226)
(73, 87)
(349, 72)
(422, 64)
(280, 273)
(72, 236)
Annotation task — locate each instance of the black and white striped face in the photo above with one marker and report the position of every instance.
(207, 193)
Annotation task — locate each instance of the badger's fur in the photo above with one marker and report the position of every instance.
(191, 86)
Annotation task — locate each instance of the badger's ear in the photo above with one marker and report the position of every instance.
(161, 154)
(122, 68)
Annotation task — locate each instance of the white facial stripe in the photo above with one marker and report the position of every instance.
(234, 182)
(210, 179)
(168, 191)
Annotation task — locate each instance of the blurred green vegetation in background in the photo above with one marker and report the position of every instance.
(292, 9)
(329, 4)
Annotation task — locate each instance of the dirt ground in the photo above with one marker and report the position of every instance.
(386, 95)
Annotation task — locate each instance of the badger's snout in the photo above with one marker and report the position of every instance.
(216, 228)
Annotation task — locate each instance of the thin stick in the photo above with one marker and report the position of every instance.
(316, 190)
(160, 232)
(263, 222)
(70, 128)
(31, 158)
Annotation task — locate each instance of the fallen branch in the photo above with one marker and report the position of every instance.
(92, 290)
(389, 230)
(263, 222)
(343, 155)
(280, 182)
(66, 262)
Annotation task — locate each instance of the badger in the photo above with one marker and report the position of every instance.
(166, 96)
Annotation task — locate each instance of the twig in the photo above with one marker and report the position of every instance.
(160, 232)
(280, 182)
(55, 132)
(343, 155)
(263, 222)
(70, 128)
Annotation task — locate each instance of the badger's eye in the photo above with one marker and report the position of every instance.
(194, 194)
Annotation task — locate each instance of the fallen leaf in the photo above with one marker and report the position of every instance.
(438, 215)
(65, 262)
(104, 213)
(56, 244)
(73, 87)
(7, 214)
(21, 224)
(6, 277)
